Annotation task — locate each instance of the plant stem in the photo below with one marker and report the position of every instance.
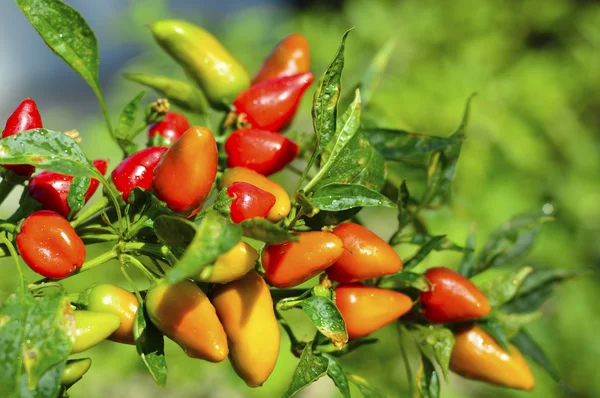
(90, 211)
(409, 375)
(279, 294)
(101, 259)
(139, 265)
(6, 188)
(8, 227)
(14, 255)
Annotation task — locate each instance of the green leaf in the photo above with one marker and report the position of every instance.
(326, 317)
(310, 369)
(435, 243)
(67, 34)
(176, 91)
(128, 116)
(336, 373)
(265, 231)
(500, 285)
(495, 329)
(428, 381)
(403, 280)
(469, 259)
(365, 388)
(404, 215)
(436, 339)
(336, 197)
(222, 203)
(150, 346)
(48, 150)
(513, 323)
(397, 144)
(76, 196)
(422, 238)
(214, 236)
(174, 232)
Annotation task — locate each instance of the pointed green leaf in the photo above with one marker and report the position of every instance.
(337, 197)
(438, 340)
(128, 116)
(365, 388)
(310, 369)
(76, 196)
(150, 346)
(435, 243)
(405, 279)
(428, 381)
(513, 323)
(495, 329)
(324, 314)
(174, 232)
(500, 285)
(336, 373)
(469, 259)
(265, 231)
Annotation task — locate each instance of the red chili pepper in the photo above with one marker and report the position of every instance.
(169, 130)
(263, 151)
(52, 189)
(25, 117)
(291, 56)
(249, 201)
(136, 170)
(270, 105)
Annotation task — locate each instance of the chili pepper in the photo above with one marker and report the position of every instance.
(168, 130)
(183, 313)
(184, 175)
(74, 371)
(204, 59)
(291, 56)
(263, 151)
(52, 189)
(245, 308)
(282, 205)
(136, 170)
(476, 355)
(366, 309)
(452, 297)
(249, 201)
(49, 245)
(232, 265)
(291, 263)
(25, 117)
(92, 328)
(271, 105)
(366, 255)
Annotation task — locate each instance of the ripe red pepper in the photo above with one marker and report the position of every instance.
(49, 245)
(52, 189)
(452, 298)
(136, 170)
(263, 151)
(291, 56)
(249, 201)
(270, 105)
(25, 117)
(170, 129)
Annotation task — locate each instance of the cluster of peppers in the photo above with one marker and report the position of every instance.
(237, 319)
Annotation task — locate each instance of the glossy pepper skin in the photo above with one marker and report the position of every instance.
(74, 371)
(49, 245)
(249, 201)
(367, 309)
(92, 328)
(366, 255)
(220, 76)
(282, 205)
(183, 313)
(232, 265)
(185, 173)
(476, 355)
(263, 151)
(137, 170)
(290, 57)
(169, 130)
(245, 309)
(52, 189)
(114, 300)
(452, 297)
(25, 117)
(291, 263)
(271, 105)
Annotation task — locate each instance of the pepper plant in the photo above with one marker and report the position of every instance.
(227, 251)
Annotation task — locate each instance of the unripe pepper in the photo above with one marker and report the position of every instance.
(183, 313)
(115, 300)
(168, 130)
(476, 355)
(290, 57)
(92, 328)
(366, 309)
(452, 297)
(282, 205)
(184, 175)
(49, 245)
(245, 308)
(25, 117)
(249, 201)
(52, 189)
(271, 105)
(137, 170)
(203, 58)
(232, 265)
(291, 263)
(263, 151)
(366, 255)
(74, 371)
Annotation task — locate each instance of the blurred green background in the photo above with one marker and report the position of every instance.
(533, 140)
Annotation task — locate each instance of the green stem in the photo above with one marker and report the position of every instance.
(100, 97)
(6, 188)
(311, 161)
(409, 374)
(14, 255)
(102, 238)
(115, 201)
(139, 265)
(8, 227)
(90, 211)
(101, 259)
(280, 294)
(286, 326)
